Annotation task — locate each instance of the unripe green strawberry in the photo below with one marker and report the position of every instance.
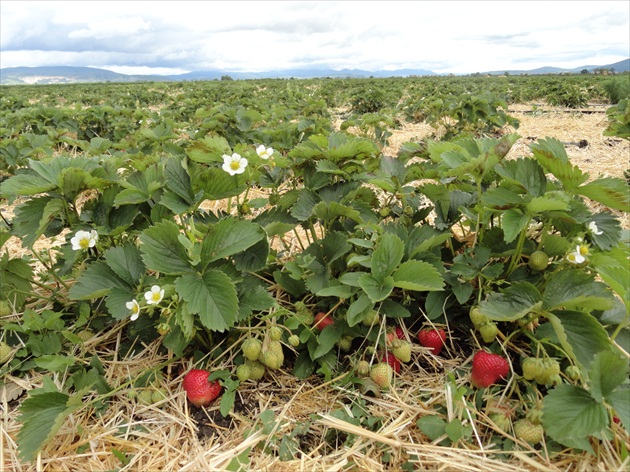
(5, 352)
(294, 340)
(527, 431)
(382, 374)
(256, 370)
(273, 198)
(532, 368)
(5, 308)
(501, 420)
(538, 261)
(272, 356)
(243, 372)
(345, 343)
(275, 333)
(384, 212)
(488, 332)
(85, 335)
(163, 329)
(363, 368)
(402, 350)
(476, 317)
(573, 372)
(304, 314)
(251, 348)
(244, 209)
(550, 372)
(371, 319)
(146, 396)
(158, 395)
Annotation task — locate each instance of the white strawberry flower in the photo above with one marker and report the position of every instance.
(155, 295)
(134, 307)
(578, 256)
(264, 153)
(83, 240)
(234, 164)
(592, 227)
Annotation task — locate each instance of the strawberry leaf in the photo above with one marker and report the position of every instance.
(513, 303)
(574, 289)
(212, 296)
(580, 335)
(419, 276)
(387, 256)
(607, 372)
(570, 412)
(41, 416)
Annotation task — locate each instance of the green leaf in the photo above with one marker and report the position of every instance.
(580, 334)
(332, 211)
(513, 222)
(254, 258)
(570, 412)
(611, 192)
(27, 219)
(25, 184)
(387, 255)
(525, 173)
(322, 344)
(377, 290)
(209, 149)
(501, 198)
(574, 289)
(126, 262)
(178, 180)
(218, 184)
(303, 208)
(116, 302)
(358, 309)
(162, 250)
(212, 296)
(339, 291)
(95, 282)
(41, 416)
(229, 236)
(607, 372)
(54, 362)
(513, 303)
(618, 399)
(432, 426)
(550, 153)
(551, 201)
(419, 276)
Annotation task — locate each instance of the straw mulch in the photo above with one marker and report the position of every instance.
(172, 435)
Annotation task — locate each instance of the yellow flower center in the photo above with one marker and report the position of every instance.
(155, 296)
(84, 243)
(235, 165)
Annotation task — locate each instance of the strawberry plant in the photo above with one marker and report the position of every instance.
(233, 215)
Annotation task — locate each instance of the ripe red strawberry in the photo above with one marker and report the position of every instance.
(322, 320)
(432, 338)
(199, 390)
(488, 369)
(395, 333)
(391, 359)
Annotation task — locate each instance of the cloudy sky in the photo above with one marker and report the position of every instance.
(168, 37)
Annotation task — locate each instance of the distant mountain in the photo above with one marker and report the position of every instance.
(69, 75)
(621, 66)
(65, 75)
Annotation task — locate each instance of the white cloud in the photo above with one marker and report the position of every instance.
(460, 37)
